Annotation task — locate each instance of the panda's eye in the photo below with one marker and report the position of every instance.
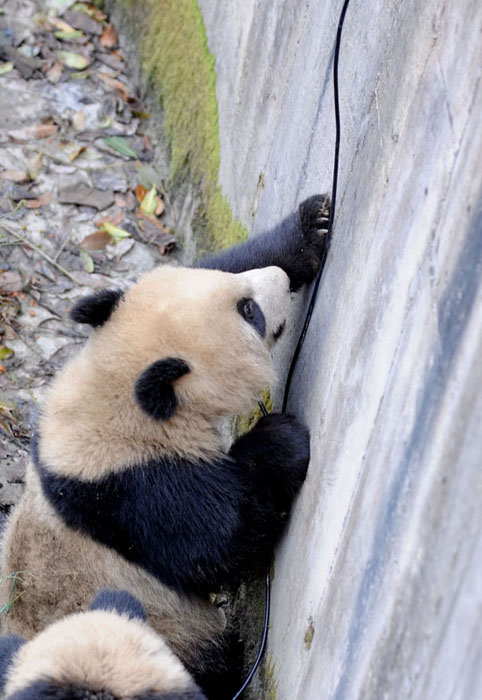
(248, 310)
(251, 312)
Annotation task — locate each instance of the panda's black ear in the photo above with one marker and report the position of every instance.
(121, 601)
(96, 309)
(154, 391)
(9, 645)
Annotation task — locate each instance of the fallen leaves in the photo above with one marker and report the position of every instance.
(41, 201)
(113, 82)
(90, 155)
(83, 21)
(87, 261)
(108, 38)
(5, 352)
(149, 201)
(15, 175)
(73, 60)
(115, 232)
(6, 67)
(121, 145)
(96, 241)
(54, 74)
(10, 282)
(28, 133)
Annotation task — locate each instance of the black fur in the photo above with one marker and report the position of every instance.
(297, 245)
(9, 645)
(222, 664)
(55, 690)
(194, 526)
(154, 391)
(119, 601)
(96, 309)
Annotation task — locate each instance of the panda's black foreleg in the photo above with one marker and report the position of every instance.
(273, 458)
(296, 245)
(219, 668)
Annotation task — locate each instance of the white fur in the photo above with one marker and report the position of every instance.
(99, 649)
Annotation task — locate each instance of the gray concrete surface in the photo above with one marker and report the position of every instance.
(378, 583)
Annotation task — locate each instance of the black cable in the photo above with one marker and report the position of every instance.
(314, 293)
(263, 640)
(309, 313)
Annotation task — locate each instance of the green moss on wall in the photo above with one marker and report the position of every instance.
(248, 421)
(177, 62)
(269, 680)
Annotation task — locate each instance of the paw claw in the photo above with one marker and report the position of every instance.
(315, 213)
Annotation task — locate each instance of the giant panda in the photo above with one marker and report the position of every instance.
(105, 653)
(131, 485)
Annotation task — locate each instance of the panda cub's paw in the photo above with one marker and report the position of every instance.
(314, 218)
(284, 447)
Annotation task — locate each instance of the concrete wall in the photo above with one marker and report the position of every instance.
(378, 583)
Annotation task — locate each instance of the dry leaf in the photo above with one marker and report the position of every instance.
(114, 219)
(69, 36)
(153, 231)
(73, 150)
(10, 281)
(81, 20)
(5, 352)
(29, 133)
(78, 120)
(87, 261)
(112, 82)
(34, 165)
(149, 204)
(73, 60)
(41, 201)
(127, 201)
(96, 241)
(15, 175)
(116, 232)
(160, 206)
(6, 67)
(108, 38)
(141, 192)
(55, 73)
(60, 24)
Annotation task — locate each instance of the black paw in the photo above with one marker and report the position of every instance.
(282, 445)
(315, 217)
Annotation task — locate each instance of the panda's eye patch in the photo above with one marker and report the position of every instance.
(251, 312)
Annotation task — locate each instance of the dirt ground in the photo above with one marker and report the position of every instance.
(82, 197)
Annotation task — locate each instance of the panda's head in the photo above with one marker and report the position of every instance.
(181, 345)
(106, 653)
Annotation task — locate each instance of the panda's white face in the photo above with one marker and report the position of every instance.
(203, 335)
(221, 325)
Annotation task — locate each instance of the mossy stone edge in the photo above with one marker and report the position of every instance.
(179, 67)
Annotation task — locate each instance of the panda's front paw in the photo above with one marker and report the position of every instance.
(282, 445)
(314, 218)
